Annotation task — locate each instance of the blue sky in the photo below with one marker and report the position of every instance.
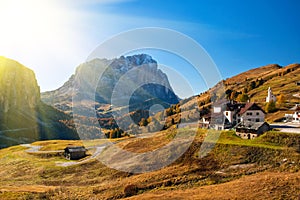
(52, 37)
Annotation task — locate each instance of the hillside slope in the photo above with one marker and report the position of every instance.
(282, 80)
(254, 83)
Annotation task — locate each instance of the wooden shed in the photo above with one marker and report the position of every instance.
(250, 130)
(75, 152)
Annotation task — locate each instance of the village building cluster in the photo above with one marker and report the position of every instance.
(248, 119)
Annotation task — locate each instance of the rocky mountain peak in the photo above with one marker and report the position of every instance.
(105, 74)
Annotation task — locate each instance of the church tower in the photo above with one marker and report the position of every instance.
(270, 96)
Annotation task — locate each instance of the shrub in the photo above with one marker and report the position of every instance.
(130, 190)
(271, 107)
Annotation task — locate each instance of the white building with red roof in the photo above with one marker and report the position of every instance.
(251, 112)
(227, 115)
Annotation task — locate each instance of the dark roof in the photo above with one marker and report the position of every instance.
(217, 118)
(250, 106)
(251, 125)
(234, 106)
(75, 148)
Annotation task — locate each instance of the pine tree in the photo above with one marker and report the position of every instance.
(243, 97)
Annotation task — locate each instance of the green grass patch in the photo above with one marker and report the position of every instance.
(272, 140)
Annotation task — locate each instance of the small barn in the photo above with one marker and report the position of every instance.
(75, 152)
(251, 130)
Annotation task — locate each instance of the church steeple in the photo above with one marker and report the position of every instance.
(270, 96)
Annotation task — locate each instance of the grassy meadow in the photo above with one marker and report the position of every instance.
(266, 167)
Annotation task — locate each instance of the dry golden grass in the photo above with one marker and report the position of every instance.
(155, 141)
(265, 185)
(26, 176)
(52, 145)
(27, 188)
(253, 74)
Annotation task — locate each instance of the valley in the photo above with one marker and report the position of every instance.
(264, 167)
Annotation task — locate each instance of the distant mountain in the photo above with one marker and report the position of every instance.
(137, 68)
(133, 82)
(23, 117)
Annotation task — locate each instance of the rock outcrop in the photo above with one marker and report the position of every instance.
(18, 86)
(23, 117)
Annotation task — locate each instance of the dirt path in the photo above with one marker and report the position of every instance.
(36, 149)
(98, 150)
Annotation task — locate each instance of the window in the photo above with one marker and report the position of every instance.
(257, 120)
(249, 120)
(257, 113)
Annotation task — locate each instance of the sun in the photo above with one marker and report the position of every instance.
(41, 34)
(27, 21)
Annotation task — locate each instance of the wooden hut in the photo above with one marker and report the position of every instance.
(75, 152)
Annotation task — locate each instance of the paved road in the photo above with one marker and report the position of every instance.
(287, 127)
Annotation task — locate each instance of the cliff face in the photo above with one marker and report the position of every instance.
(18, 86)
(23, 117)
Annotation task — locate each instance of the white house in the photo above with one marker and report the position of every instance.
(251, 112)
(295, 117)
(270, 96)
(229, 114)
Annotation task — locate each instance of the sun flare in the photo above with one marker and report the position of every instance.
(28, 22)
(29, 18)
